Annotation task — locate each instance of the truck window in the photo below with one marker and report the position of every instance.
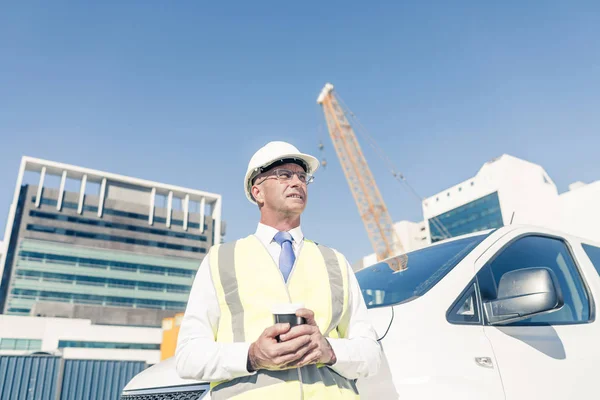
(540, 251)
(382, 287)
(465, 310)
(593, 253)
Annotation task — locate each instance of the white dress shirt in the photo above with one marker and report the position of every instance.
(199, 356)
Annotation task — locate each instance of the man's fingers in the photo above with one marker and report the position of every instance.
(289, 360)
(310, 358)
(308, 315)
(297, 331)
(291, 346)
(275, 330)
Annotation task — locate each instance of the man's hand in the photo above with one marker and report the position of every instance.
(266, 353)
(321, 349)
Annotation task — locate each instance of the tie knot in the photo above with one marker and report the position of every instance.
(282, 237)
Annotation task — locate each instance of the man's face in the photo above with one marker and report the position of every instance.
(286, 196)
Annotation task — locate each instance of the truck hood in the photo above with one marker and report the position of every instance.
(161, 375)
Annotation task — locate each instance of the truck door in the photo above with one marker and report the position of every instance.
(547, 356)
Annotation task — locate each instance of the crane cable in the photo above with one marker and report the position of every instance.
(398, 176)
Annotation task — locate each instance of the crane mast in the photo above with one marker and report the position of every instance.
(371, 207)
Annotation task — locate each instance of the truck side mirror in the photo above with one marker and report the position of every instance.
(522, 294)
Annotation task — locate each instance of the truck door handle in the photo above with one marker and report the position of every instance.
(485, 362)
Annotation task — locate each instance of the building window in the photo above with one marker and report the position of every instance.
(94, 281)
(117, 213)
(112, 238)
(593, 253)
(45, 258)
(15, 310)
(115, 225)
(20, 344)
(481, 214)
(107, 345)
(95, 299)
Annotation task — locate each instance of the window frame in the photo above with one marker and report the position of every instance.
(472, 285)
(578, 269)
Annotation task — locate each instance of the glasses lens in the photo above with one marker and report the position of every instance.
(284, 174)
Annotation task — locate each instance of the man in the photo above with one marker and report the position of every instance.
(228, 335)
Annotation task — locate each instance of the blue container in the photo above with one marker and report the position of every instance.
(29, 377)
(97, 379)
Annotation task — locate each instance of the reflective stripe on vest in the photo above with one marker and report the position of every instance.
(317, 383)
(248, 283)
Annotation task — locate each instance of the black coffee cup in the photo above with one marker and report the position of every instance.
(286, 313)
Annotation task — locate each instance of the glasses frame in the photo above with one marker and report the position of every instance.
(275, 173)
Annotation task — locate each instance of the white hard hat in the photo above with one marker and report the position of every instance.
(271, 153)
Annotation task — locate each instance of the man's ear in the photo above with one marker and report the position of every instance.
(257, 194)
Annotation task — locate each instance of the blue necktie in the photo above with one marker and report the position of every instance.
(287, 257)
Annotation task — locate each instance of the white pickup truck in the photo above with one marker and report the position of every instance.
(507, 314)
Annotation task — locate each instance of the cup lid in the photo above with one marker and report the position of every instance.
(286, 308)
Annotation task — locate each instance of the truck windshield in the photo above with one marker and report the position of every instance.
(381, 286)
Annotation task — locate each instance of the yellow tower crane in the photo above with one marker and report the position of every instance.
(371, 207)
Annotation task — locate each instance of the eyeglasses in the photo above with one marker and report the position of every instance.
(284, 175)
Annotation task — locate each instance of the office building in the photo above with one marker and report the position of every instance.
(100, 246)
(505, 190)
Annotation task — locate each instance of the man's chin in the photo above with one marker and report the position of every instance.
(295, 207)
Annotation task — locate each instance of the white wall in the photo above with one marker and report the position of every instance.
(149, 356)
(412, 235)
(51, 330)
(580, 211)
(522, 187)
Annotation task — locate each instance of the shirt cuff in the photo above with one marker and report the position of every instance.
(236, 359)
(342, 355)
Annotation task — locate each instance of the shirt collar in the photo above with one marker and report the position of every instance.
(266, 233)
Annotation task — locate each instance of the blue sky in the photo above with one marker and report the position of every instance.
(185, 92)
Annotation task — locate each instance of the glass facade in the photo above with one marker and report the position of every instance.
(118, 213)
(37, 295)
(115, 225)
(105, 282)
(107, 345)
(112, 238)
(20, 344)
(49, 271)
(88, 262)
(481, 214)
(10, 248)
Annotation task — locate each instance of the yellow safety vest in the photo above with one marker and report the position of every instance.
(248, 283)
